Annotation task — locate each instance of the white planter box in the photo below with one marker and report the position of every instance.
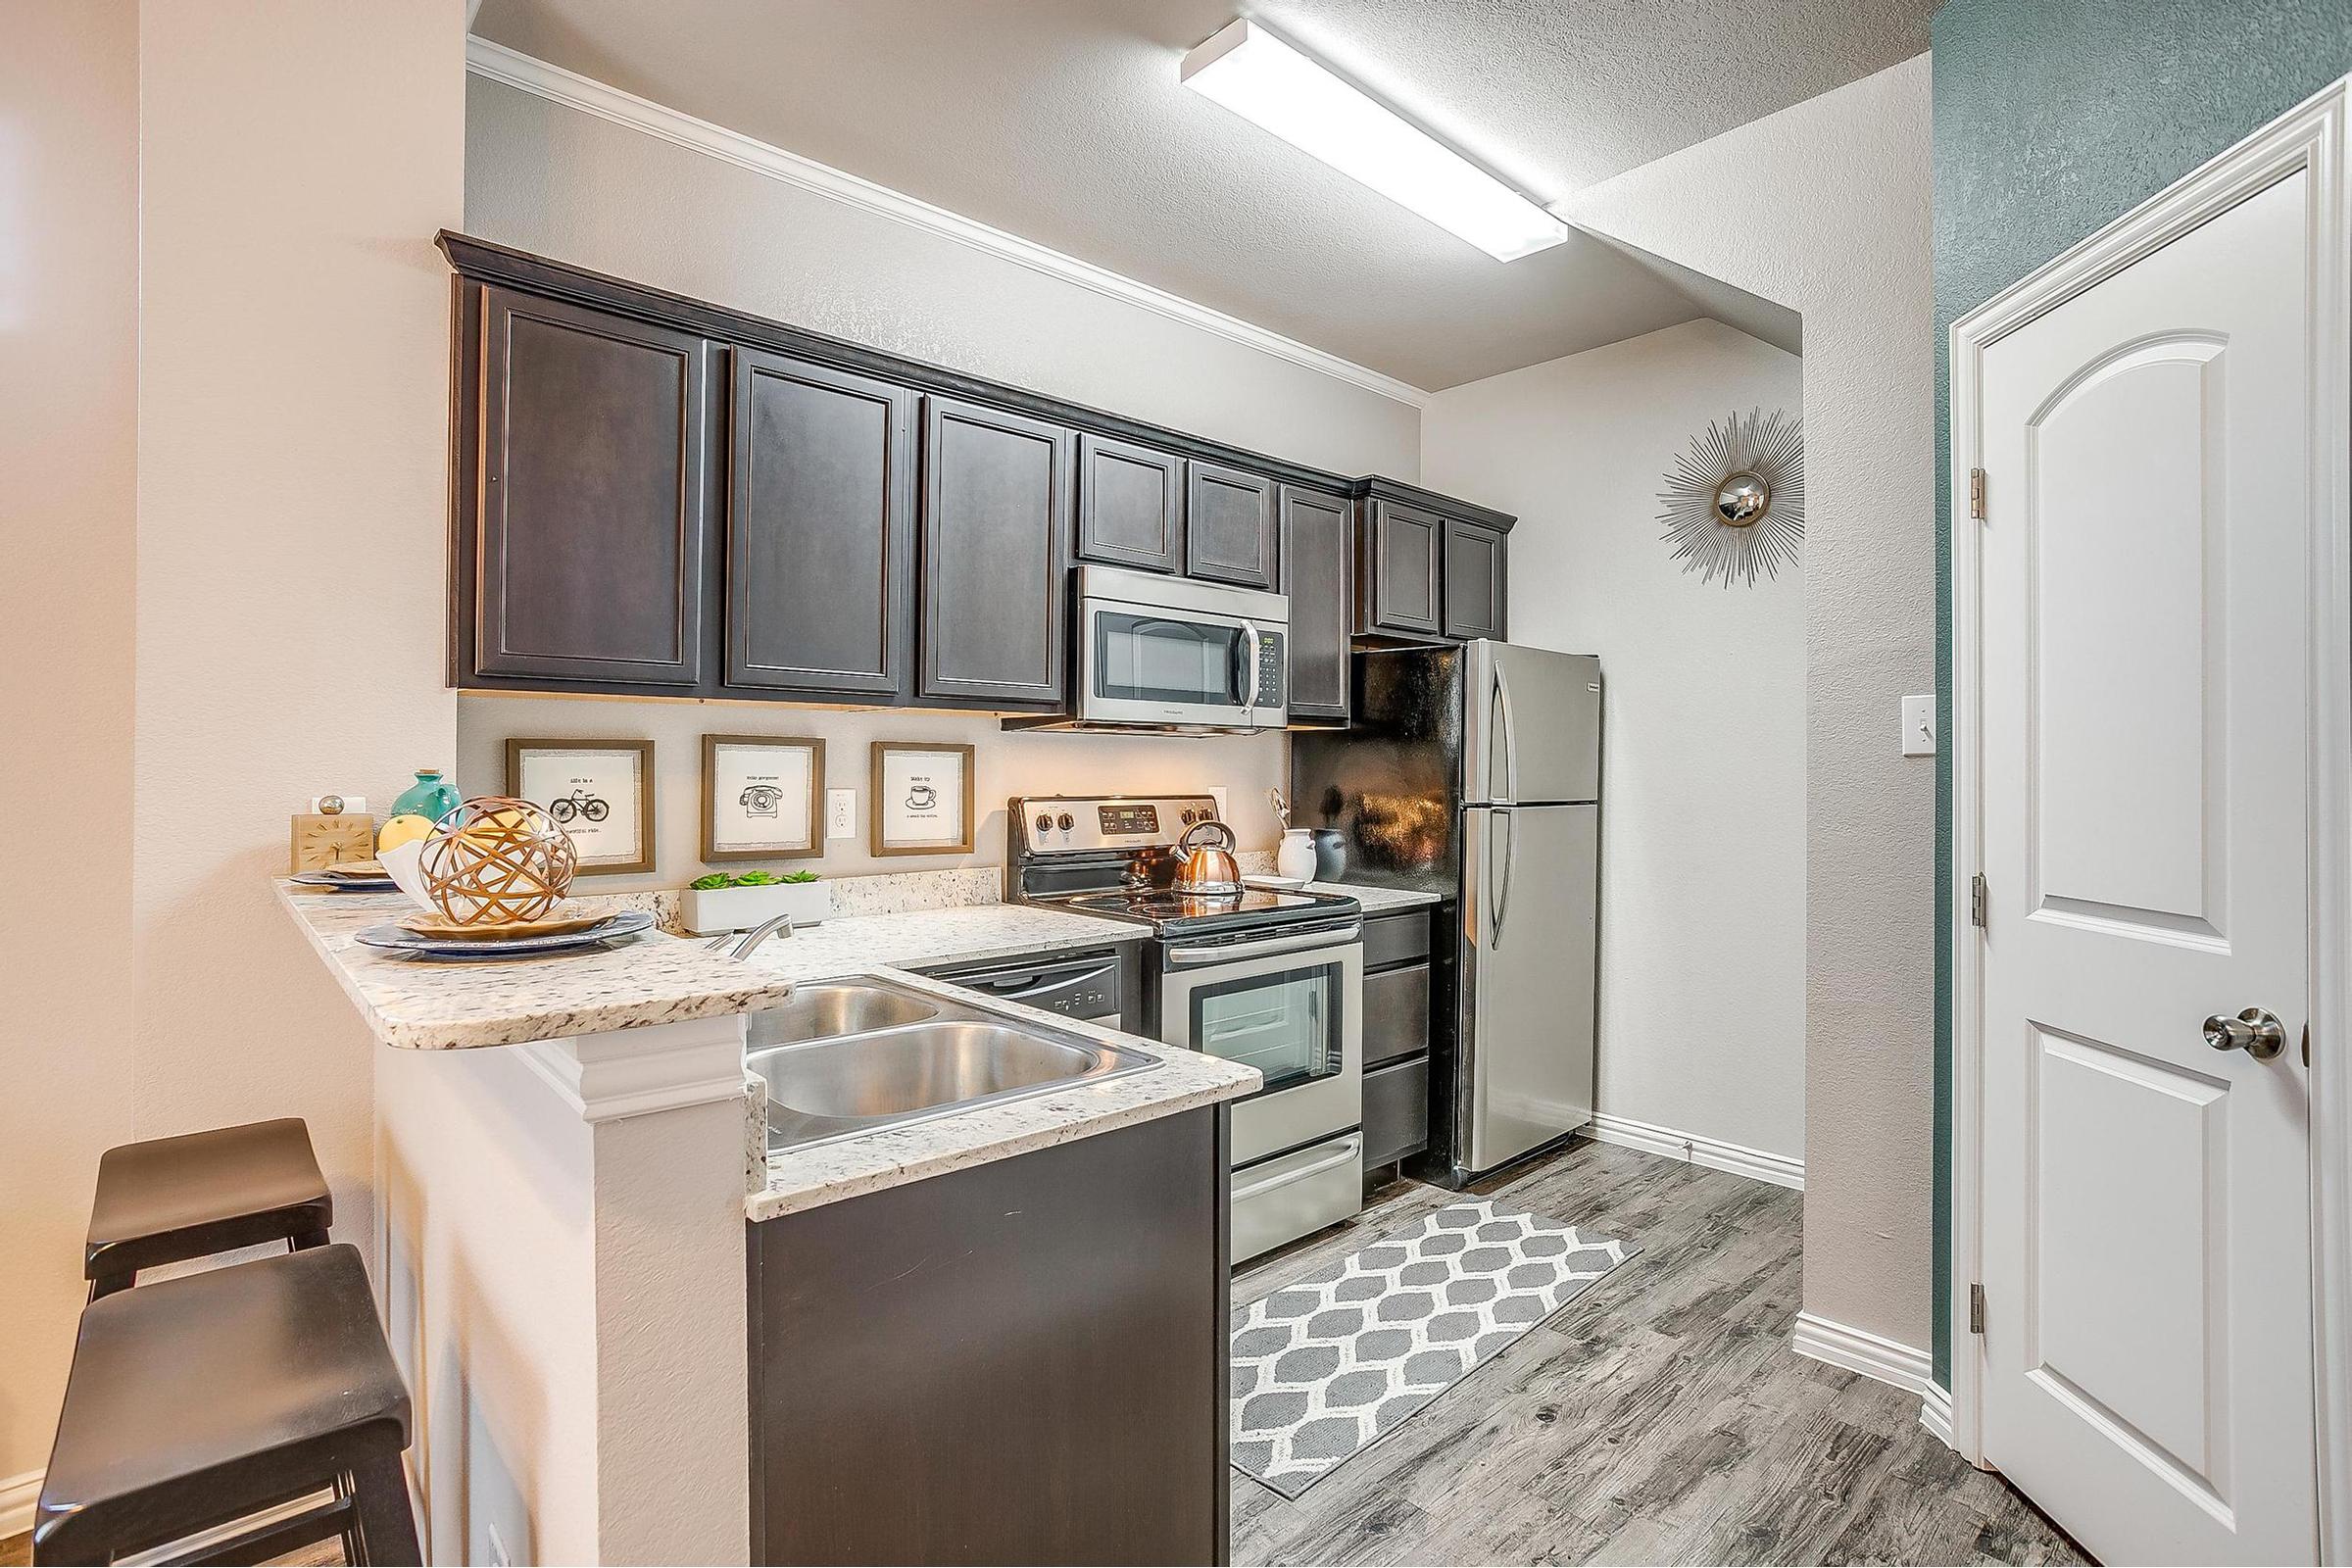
(707, 911)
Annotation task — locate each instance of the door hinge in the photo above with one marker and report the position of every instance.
(1977, 896)
(1976, 1309)
(1976, 493)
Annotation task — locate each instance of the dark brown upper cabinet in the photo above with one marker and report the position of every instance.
(997, 506)
(594, 495)
(1317, 539)
(1130, 505)
(1400, 568)
(1228, 525)
(1474, 580)
(820, 529)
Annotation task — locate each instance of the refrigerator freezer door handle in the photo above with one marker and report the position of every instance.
(1509, 822)
(1510, 735)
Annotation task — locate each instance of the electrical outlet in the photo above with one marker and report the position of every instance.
(1919, 726)
(841, 813)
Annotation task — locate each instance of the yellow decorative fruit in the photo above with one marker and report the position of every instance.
(406, 829)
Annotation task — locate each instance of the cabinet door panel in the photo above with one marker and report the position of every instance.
(1228, 525)
(593, 504)
(1474, 581)
(1130, 505)
(997, 503)
(1403, 564)
(820, 558)
(1316, 536)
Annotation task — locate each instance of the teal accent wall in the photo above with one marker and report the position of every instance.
(2052, 119)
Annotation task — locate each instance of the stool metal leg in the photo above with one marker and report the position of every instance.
(387, 1524)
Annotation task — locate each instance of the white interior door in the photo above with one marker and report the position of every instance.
(2148, 1342)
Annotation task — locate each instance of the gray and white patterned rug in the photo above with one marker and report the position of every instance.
(1325, 1367)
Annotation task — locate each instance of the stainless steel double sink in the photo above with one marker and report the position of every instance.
(843, 1057)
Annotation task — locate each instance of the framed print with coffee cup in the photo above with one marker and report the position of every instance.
(760, 796)
(922, 799)
(600, 791)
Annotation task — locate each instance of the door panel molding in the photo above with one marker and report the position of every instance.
(2310, 139)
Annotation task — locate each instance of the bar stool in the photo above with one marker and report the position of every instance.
(167, 1200)
(198, 1402)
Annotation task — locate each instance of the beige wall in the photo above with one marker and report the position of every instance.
(551, 179)
(290, 163)
(293, 437)
(69, 337)
(1828, 213)
(1703, 915)
(1010, 763)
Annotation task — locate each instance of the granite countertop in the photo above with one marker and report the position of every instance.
(800, 1179)
(927, 937)
(1376, 901)
(455, 1007)
(651, 979)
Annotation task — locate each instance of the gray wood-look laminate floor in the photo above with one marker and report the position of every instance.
(1660, 1417)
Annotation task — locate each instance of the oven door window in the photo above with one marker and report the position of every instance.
(1153, 659)
(1285, 1025)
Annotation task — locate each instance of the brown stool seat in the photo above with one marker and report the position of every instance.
(167, 1200)
(196, 1402)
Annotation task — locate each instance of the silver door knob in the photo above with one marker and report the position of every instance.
(2253, 1031)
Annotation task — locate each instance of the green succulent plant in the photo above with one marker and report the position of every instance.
(749, 879)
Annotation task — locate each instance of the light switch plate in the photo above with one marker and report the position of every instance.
(841, 813)
(1919, 726)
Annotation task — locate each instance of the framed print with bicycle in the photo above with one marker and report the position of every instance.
(601, 792)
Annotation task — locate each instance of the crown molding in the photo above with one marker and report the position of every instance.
(496, 62)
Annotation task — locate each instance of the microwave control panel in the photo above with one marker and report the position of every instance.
(1272, 669)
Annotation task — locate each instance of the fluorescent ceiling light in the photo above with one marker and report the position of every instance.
(1261, 78)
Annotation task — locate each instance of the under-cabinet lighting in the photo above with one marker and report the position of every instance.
(1266, 81)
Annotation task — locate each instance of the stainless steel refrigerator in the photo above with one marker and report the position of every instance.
(1474, 774)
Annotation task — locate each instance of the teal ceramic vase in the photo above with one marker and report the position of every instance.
(431, 797)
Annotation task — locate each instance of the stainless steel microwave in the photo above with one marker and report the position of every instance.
(1156, 653)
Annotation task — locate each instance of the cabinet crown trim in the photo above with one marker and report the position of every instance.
(487, 262)
(1383, 488)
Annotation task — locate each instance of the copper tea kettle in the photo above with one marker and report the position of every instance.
(1208, 868)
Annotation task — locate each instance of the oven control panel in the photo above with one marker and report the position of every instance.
(1047, 825)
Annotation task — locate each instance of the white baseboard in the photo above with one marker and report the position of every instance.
(1713, 1153)
(18, 1494)
(1907, 1367)
(1935, 1415)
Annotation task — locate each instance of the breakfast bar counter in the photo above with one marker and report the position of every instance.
(574, 1187)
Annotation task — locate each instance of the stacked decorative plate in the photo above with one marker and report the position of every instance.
(429, 935)
(349, 876)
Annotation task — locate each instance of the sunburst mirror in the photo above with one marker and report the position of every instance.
(1735, 500)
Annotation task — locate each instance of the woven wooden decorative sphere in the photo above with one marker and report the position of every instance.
(496, 860)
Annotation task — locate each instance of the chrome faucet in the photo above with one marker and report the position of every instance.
(749, 939)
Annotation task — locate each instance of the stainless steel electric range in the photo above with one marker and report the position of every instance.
(1271, 978)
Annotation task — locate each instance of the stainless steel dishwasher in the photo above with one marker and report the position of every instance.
(1097, 983)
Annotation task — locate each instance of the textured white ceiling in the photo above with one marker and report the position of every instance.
(1063, 120)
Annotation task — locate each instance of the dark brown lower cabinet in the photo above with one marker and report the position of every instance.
(1024, 1362)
